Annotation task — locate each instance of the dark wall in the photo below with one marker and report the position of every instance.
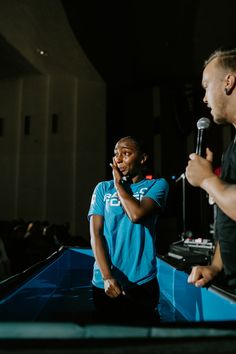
(129, 112)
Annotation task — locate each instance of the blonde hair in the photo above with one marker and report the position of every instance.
(225, 58)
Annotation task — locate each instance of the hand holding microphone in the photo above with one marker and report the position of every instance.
(200, 168)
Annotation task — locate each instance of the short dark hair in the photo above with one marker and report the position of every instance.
(226, 58)
(139, 142)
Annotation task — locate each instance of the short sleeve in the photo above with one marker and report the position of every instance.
(159, 192)
(97, 201)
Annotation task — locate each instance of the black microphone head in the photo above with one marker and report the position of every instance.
(203, 123)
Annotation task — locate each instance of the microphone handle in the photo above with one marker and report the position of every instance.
(199, 141)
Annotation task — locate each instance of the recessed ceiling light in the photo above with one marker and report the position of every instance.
(42, 52)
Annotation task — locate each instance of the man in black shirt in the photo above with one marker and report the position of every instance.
(219, 83)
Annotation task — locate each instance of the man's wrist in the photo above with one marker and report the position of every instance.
(216, 268)
(207, 182)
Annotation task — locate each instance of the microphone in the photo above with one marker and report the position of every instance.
(202, 124)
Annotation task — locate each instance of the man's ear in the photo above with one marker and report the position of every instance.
(230, 83)
(144, 158)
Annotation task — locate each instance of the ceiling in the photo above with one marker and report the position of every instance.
(138, 44)
(142, 42)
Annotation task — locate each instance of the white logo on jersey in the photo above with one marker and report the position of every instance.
(140, 194)
(113, 200)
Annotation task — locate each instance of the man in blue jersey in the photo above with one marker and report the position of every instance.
(123, 215)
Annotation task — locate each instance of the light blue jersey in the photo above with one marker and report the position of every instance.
(131, 247)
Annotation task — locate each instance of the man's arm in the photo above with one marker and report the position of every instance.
(223, 194)
(201, 275)
(199, 173)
